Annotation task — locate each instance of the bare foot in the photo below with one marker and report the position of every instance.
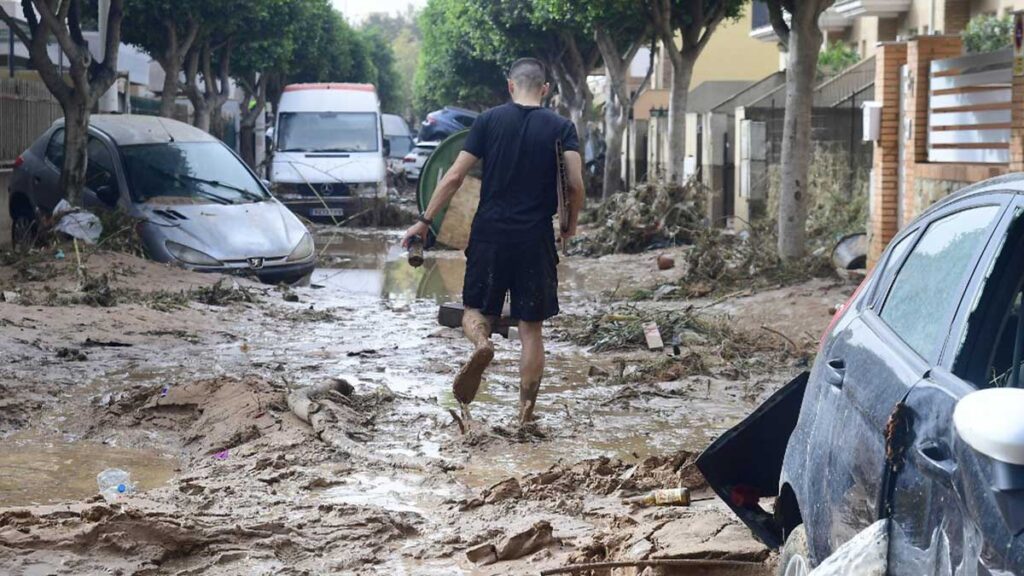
(467, 382)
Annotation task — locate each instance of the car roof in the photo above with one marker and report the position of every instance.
(1010, 183)
(130, 129)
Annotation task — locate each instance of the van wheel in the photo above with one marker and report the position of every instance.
(795, 559)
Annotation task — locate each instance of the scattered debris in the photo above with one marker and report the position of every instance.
(535, 538)
(71, 354)
(653, 336)
(666, 262)
(662, 497)
(650, 215)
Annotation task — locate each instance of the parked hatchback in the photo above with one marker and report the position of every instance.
(913, 410)
(416, 158)
(198, 204)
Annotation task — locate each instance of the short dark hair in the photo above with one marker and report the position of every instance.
(528, 74)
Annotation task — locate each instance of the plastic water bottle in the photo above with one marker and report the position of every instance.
(114, 484)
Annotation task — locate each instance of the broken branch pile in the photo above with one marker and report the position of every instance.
(722, 260)
(652, 214)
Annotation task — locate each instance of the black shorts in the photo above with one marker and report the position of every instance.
(526, 269)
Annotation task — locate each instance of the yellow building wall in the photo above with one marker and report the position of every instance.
(732, 54)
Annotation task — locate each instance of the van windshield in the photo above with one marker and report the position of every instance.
(327, 132)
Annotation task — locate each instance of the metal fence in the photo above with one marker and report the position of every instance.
(26, 110)
(969, 101)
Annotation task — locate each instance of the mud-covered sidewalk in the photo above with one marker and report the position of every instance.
(184, 380)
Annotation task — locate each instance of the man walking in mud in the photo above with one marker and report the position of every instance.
(512, 242)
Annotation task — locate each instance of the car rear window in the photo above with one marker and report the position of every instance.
(927, 289)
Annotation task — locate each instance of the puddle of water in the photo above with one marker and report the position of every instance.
(37, 470)
(397, 493)
(376, 265)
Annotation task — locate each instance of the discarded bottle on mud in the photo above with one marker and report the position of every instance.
(415, 252)
(114, 484)
(664, 497)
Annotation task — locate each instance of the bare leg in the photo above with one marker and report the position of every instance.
(477, 328)
(531, 368)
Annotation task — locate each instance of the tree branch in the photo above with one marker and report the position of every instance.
(647, 77)
(12, 25)
(778, 20)
(74, 17)
(59, 31)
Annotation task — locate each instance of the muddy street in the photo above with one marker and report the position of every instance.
(188, 382)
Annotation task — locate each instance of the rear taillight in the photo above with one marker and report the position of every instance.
(430, 119)
(19, 161)
(408, 160)
(839, 313)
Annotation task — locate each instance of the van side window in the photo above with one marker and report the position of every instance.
(927, 289)
(55, 149)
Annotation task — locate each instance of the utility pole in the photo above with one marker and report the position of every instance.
(108, 102)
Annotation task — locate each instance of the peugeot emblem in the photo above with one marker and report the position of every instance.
(256, 263)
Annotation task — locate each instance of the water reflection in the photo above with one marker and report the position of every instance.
(376, 266)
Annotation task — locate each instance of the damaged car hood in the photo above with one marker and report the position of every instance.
(229, 232)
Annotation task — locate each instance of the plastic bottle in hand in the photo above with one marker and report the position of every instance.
(114, 484)
(666, 497)
(415, 252)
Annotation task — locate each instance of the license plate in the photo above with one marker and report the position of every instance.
(327, 212)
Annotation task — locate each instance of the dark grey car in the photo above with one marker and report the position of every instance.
(869, 433)
(198, 204)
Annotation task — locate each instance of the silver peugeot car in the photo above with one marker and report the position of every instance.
(198, 205)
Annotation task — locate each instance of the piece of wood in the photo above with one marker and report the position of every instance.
(653, 336)
(458, 218)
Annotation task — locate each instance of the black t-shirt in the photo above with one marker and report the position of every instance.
(518, 196)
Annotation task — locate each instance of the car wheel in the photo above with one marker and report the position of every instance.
(795, 560)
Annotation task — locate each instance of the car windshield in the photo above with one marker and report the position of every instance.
(191, 171)
(327, 132)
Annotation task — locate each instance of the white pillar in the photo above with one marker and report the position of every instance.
(108, 102)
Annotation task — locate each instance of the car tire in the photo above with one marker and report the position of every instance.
(795, 559)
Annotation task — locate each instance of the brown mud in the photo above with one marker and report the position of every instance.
(188, 392)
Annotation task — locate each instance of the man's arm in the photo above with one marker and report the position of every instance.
(574, 172)
(446, 188)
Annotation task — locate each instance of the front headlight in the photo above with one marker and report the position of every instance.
(191, 255)
(303, 250)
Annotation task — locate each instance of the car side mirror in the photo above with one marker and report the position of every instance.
(269, 138)
(387, 147)
(991, 422)
(266, 183)
(107, 194)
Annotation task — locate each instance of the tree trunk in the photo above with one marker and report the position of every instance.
(682, 72)
(804, 44)
(202, 114)
(614, 125)
(76, 132)
(247, 140)
(172, 69)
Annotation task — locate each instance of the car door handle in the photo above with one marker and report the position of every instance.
(935, 460)
(835, 372)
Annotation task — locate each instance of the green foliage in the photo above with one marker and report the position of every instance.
(985, 33)
(452, 70)
(393, 96)
(837, 57)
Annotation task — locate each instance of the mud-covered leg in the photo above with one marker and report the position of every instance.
(531, 368)
(477, 328)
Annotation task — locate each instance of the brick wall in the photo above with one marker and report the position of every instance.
(889, 58)
(920, 53)
(958, 13)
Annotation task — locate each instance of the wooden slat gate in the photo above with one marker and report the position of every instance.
(969, 104)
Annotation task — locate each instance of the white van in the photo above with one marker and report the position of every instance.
(329, 150)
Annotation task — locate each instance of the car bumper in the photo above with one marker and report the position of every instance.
(277, 274)
(329, 210)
